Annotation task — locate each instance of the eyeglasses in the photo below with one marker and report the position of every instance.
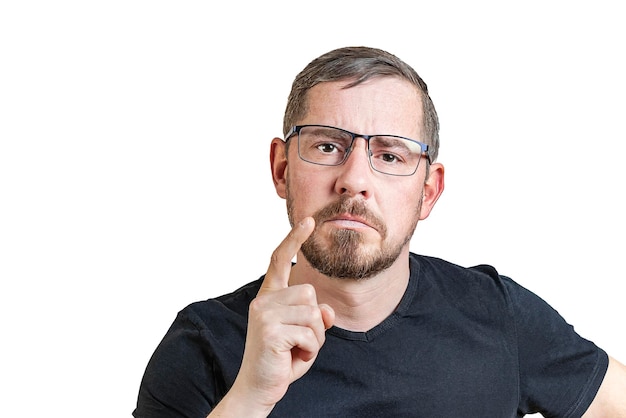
(330, 146)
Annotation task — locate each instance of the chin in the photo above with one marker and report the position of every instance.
(344, 255)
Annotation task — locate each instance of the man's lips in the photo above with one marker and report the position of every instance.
(349, 221)
(350, 214)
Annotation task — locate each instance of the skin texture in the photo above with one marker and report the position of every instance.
(295, 305)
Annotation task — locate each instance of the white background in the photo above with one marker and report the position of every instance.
(120, 205)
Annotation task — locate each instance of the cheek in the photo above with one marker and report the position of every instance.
(401, 210)
(306, 193)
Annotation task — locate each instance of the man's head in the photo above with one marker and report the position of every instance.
(360, 64)
(361, 121)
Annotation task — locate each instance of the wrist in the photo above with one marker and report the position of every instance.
(239, 404)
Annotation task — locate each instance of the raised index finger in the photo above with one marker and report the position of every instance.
(277, 276)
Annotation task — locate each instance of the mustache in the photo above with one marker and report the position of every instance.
(352, 207)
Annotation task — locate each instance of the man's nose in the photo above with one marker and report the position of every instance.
(354, 177)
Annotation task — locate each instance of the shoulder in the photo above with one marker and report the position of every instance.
(211, 312)
(217, 324)
(444, 273)
(472, 287)
(198, 358)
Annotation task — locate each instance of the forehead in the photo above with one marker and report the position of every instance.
(388, 105)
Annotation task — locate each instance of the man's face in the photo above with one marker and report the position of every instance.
(364, 219)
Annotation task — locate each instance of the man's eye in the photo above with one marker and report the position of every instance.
(389, 158)
(327, 148)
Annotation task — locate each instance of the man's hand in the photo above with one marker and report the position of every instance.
(286, 329)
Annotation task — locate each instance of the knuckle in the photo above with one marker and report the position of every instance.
(308, 291)
(258, 311)
(315, 314)
(309, 334)
(275, 257)
(255, 305)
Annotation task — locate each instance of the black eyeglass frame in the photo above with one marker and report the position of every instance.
(297, 128)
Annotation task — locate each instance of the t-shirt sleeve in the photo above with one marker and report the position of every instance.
(560, 372)
(198, 360)
(178, 381)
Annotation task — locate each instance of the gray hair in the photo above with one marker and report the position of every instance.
(359, 64)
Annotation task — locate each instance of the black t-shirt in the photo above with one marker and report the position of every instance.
(463, 342)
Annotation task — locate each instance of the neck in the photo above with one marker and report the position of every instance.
(362, 304)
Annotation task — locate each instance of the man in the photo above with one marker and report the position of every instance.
(359, 326)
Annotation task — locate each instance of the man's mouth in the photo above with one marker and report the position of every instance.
(350, 214)
(349, 221)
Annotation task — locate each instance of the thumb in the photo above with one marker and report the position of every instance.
(328, 315)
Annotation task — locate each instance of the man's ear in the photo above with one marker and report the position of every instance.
(278, 164)
(433, 187)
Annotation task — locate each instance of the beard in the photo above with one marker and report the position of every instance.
(342, 255)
